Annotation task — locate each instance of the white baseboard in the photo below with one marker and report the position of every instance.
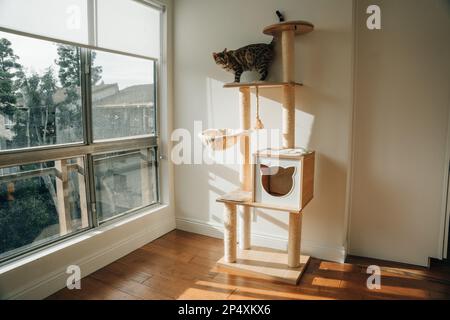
(50, 283)
(336, 254)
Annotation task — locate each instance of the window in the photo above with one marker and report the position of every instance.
(131, 26)
(59, 19)
(8, 122)
(40, 202)
(124, 181)
(123, 102)
(78, 125)
(43, 93)
(144, 25)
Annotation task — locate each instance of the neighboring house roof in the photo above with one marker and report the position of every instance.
(98, 92)
(104, 86)
(134, 95)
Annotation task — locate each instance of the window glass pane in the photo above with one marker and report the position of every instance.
(124, 181)
(60, 19)
(40, 100)
(123, 101)
(41, 202)
(128, 26)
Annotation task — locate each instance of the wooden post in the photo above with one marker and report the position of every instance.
(288, 116)
(288, 54)
(244, 109)
(62, 193)
(229, 222)
(82, 193)
(295, 225)
(10, 189)
(245, 172)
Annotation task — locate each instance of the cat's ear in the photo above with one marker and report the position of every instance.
(214, 54)
(225, 50)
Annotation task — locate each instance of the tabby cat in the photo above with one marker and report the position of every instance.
(254, 57)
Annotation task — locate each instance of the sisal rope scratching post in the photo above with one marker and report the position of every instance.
(229, 221)
(295, 231)
(288, 117)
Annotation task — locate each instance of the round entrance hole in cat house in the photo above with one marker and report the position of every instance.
(284, 178)
(221, 139)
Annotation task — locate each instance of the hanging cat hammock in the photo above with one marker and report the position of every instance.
(221, 139)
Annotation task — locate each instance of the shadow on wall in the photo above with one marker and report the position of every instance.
(261, 214)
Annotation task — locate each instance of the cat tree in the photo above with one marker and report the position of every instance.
(262, 262)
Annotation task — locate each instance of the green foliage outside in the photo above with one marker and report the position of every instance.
(8, 69)
(23, 219)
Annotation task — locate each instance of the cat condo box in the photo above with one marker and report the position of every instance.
(283, 178)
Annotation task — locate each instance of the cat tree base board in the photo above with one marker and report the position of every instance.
(266, 264)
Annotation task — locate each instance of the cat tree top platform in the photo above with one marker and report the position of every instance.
(299, 26)
(260, 84)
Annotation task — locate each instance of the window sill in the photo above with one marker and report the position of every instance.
(88, 234)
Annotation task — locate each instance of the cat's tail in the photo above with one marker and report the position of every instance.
(280, 15)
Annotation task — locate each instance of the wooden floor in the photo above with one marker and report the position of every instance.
(182, 265)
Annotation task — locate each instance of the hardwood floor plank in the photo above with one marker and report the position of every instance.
(171, 253)
(182, 265)
(201, 289)
(128, 272)
(93, 289)
(128, 286)
(165, 267)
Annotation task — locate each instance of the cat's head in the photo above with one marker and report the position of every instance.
(221, 58)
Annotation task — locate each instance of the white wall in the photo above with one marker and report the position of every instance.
(324, 108)
(400, 134)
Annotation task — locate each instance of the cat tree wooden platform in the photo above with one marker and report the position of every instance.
(286, 267)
